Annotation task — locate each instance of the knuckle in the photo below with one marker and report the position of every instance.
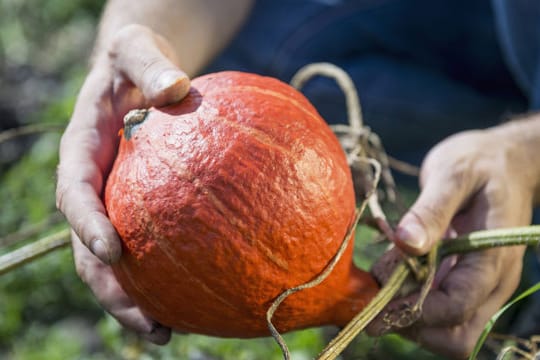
(83, 226)
(433, 216)
(462, 308)
(459, 174)
(126, 35)
(152, 69)
(82, 272)
(62, 191)
(460, 312)
(463, 344)
(82, 267)
(497, 192)
(458, 342)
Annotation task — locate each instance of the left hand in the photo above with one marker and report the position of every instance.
(137, 70)
(471, 181)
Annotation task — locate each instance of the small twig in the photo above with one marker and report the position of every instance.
(514, 350)
(30, 230)
(375, 149)
(403, 167)
(373, 201)
(28, 130)
(535, 340)
(25, 254)
(428, 279)
(529, 344)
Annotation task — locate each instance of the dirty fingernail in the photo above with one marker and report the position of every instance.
(159, 335)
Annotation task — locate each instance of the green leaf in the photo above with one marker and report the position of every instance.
(498, 314)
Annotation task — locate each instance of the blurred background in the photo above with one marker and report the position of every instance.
(46, 312)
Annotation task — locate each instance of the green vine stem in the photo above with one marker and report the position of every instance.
(475, 241)
(486, 239)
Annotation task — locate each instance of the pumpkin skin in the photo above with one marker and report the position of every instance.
(228, 198)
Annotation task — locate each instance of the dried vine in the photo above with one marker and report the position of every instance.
(32, 251)
(26, 130)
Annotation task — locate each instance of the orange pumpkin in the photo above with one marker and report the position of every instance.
(227, 199)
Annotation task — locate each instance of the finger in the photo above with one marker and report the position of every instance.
(497, 205)
(457, 342)
(159, 335)
(80, 180)
(470, 284)
(87, 150)
(101, 280)
(76, 197)
(465, 288)
(446, 265)
(445, 190)
(127, 96)
(142, 56)
(110, 295)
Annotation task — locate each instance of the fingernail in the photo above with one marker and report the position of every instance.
(413, 235)
(98, 248)
(171, 86)
(170, 78)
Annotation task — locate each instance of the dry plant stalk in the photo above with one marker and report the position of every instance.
(31, 129)
(31, 230)
(32, 251)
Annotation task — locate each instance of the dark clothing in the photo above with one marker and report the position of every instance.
(424, 69)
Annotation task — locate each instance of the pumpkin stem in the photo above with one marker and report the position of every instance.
(133, 120)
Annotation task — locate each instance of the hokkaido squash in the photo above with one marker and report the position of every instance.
(228, 198)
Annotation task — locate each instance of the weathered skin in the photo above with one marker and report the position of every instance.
(228, 198)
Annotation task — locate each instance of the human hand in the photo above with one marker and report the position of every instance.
(137, 70)
(471, 181)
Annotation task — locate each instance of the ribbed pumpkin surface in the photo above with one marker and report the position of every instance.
(225, 200)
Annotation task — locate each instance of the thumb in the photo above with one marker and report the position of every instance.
(428, 219)
(147, 60)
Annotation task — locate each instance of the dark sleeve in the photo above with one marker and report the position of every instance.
(518, 25)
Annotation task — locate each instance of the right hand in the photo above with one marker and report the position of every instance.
(138, 69)
(471, 181)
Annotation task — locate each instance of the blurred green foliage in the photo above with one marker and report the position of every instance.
(46, 312)
(46, 35)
